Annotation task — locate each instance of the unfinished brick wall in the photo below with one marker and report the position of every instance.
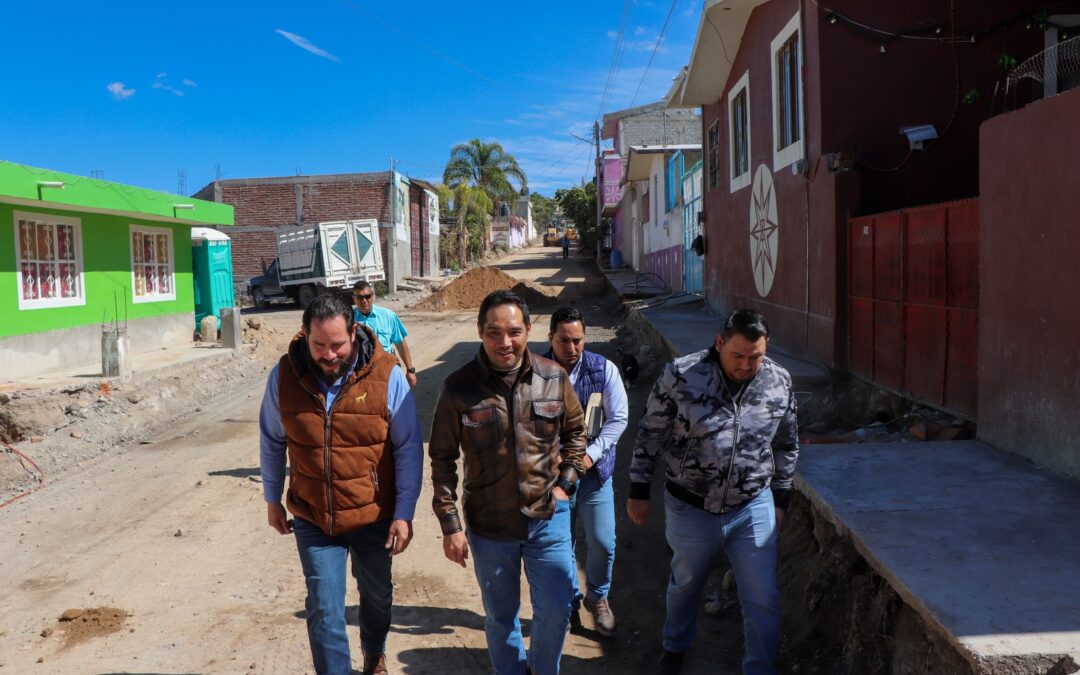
(266, 204)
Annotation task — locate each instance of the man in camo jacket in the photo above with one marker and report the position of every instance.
(726, 415)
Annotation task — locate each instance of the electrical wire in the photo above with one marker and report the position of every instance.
(616, 58)
(40, 477)
(656, 47)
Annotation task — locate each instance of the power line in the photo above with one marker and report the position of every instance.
(659, 39)
(616, 58)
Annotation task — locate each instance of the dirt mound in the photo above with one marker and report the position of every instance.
(80, 625)
(470, 289)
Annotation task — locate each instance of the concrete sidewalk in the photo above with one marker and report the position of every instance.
(982, 544)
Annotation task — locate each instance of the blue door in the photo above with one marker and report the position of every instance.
(693, 264)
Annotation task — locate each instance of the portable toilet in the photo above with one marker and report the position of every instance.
(211, 262)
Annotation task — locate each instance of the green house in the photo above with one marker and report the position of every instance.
(77, 253)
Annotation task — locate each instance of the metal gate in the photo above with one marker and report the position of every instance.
(693, 264)
(913, 298)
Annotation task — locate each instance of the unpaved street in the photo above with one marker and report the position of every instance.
(173, 532)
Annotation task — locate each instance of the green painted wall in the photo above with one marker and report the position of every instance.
(106, 271)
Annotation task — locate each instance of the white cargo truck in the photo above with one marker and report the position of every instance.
(315, 258)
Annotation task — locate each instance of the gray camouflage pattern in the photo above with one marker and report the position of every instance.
(691, 417)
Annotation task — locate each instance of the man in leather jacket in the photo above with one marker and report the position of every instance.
(514, 419)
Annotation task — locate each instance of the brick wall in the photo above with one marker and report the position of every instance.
(262, 205)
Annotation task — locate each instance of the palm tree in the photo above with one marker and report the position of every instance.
(485, 167)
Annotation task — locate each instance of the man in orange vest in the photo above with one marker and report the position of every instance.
(343, 412)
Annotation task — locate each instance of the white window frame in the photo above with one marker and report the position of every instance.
(783, 157)
(46, 303)
(155, 297)
(743, 179)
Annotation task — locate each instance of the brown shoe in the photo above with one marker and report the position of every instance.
(375, 665)
(602, 615)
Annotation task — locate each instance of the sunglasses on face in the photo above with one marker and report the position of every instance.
(363, 297)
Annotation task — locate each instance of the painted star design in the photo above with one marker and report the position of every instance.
(762, 232)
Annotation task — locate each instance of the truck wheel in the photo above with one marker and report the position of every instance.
(307, 295)
(258, 297)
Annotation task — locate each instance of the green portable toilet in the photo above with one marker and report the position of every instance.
(211, 262)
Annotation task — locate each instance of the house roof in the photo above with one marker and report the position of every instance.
(319, 178)
(24, 185)
(639, 163)
(719, 35)
(611, 119)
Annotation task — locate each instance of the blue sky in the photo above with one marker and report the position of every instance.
(138, 90)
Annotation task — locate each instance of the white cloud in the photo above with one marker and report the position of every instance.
(119, 91)
(160, 82)
(189, 83)
(305, 44)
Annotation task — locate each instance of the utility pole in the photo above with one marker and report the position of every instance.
(391, 236)
(599, 196)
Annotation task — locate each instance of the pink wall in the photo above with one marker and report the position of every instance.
(667, 264)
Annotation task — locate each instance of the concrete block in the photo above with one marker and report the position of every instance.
(208, 329)
(232, 331)
(116, 354)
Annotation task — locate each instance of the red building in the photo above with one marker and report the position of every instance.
(803, 106)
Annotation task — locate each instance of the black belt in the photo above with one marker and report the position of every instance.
(682, 494)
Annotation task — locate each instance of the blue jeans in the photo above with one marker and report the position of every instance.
(323, 559)
(747, 535)
(549, 567)
(596, 503)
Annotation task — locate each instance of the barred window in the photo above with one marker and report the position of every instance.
(49, 258)
(152, 277)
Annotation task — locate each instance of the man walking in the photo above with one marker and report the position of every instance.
(592, 374)
(565, 245)
(727, 415)
(514, 418)
(386, 325)
(341, 409)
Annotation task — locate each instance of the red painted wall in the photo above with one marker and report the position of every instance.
(1029, 362)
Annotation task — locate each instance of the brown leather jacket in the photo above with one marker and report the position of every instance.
(341, 473)
(512, 459)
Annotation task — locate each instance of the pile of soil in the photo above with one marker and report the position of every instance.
(470, 289)
(80, 625)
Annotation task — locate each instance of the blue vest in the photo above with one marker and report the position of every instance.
(591, 380)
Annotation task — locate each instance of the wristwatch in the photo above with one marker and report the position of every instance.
(567, 486)
(411, 371)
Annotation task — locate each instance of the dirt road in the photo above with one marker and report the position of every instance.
(173, 533)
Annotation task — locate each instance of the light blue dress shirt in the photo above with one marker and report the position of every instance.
(385, 324)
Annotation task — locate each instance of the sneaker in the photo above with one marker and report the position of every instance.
(602, 615)
(375, 665)
(670, 663)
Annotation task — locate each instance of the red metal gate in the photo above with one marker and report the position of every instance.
(913, 298)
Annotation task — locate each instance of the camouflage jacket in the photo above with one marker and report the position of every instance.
(720, 457)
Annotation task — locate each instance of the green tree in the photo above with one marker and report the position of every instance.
(485, 167)
(579, 205)
(468, 207)
(543, 210)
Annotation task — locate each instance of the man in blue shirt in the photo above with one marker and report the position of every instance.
(385, 324)
(595, 499)
(340, 408)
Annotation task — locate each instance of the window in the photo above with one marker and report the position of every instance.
(787, 96)
(49, 258)
(152, 264)
(739, 132)
(645, 207)
(713, 147)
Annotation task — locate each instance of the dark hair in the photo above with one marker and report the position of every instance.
(502, 297)
(361, 285)
(566, 315)
(747, 323)
(328, 306)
